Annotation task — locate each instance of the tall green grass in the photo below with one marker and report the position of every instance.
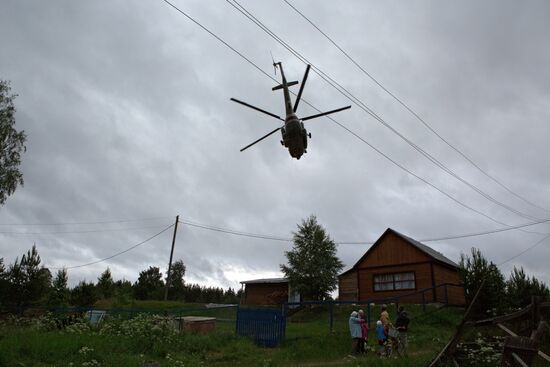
(308, 342)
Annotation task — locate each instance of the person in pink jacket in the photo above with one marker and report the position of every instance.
(364, 332)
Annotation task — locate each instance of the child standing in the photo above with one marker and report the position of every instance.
(381, 336)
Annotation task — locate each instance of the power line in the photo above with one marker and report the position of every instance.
(464, 235)
(527, 249)
(82, 231)
(235, 232)
(415, 114)
(118, 253)
(338, 123)
(283, 239)
(369, 111)
(82, 223)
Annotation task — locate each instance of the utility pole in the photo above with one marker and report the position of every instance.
(171, 254)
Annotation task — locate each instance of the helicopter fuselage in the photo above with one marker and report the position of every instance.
(294, 136)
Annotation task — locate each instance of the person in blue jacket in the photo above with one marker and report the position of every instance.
(355, 331)
(381, 336)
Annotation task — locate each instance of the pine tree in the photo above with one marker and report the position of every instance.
(176, 289)
(29, 282)
(149, 284)
(105, 285)
(84, 294)
(313, 266)
(4, 283)
(520, 288)
(59, 294)
(472, 271)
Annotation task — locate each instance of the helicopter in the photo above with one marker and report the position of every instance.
(293, 131)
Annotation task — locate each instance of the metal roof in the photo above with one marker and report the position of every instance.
(266, 280)
(428, 250)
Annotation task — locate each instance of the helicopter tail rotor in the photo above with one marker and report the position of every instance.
(274, 64)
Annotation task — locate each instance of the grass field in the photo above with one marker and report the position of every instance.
(132, 342)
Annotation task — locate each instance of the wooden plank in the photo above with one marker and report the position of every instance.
(519, 360)
(499, 319)
(510, 332)
(543, 355)
(449, 349)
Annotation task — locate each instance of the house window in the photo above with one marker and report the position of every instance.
(395, 281)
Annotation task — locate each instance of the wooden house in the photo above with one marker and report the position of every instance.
(271, 291)
(399, 266)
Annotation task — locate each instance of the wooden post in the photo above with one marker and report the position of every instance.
(368, 314)
(170, 262)
(423, 301)
(331, 319)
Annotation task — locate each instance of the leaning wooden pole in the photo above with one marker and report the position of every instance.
(450, 348)
(170, 262)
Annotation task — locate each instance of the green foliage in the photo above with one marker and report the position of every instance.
(313, 266)
(28, 282)
(105, 285)
(59, 292)
(12, 143)
(149, 284)
(4, 283)
(84, 294)
(176, 284)
(126, 343)
(520, 288)
(472, 271)
(197, 293)
(123, 292)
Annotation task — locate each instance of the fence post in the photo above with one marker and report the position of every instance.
(368, 314)
(423, 301)
(237, 320)
(331, 317)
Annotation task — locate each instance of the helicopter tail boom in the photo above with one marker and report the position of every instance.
(281, 86)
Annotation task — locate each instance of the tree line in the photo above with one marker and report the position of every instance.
(498, 294)
(28, 283)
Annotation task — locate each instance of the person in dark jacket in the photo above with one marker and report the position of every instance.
(402, 326)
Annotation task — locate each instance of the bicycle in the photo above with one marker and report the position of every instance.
(393, 344)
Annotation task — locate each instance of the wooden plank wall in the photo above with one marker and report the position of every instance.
(265, 293)
(444, 274)
(347, 287)
(393, 250)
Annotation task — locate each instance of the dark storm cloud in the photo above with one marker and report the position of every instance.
(127, 112)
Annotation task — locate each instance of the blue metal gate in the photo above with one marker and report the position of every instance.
(265, 326)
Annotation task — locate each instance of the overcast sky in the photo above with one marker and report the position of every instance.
(129, 123)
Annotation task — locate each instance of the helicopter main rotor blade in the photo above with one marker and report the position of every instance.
(257, 109)
(325, 113)
(262, 138)
(299, 96)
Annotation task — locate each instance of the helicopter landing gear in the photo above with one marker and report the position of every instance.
(309, 134)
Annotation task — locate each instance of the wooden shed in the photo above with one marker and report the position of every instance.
(397, 266)
(270, 291)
